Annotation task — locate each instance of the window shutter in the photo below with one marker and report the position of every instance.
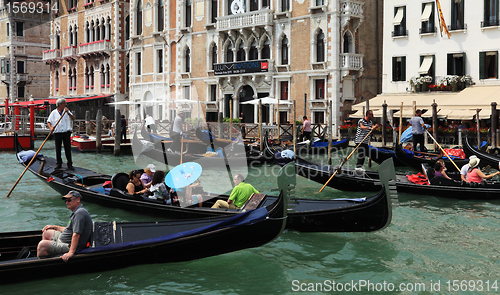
(464, 60)
(482, 68)
(403, 68)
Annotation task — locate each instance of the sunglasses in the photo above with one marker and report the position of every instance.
(69, 200)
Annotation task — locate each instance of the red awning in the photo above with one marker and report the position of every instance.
(53, 101)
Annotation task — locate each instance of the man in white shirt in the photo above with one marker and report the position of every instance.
(150, 124)
(62, 132)
(176, 132)
(465, 168)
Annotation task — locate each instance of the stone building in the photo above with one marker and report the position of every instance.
(23, 38)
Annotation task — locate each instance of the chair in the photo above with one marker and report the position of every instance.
(120, 181)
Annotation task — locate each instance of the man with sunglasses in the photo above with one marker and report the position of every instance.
(72, 238)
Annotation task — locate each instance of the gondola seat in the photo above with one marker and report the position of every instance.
(119, 181)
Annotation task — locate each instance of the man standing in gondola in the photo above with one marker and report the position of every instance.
(62, 132)
(417, 130)
(74, 237)
(365, 125)
(176, 132)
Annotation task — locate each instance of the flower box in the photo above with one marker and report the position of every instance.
(102, 85)
(86, 87)
(107, 85)
(92, 87)
(57, 89)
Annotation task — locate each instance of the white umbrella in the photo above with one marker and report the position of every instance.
(266, 100)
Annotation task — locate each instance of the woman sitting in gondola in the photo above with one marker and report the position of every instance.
(158, 188)
(440, 169)
(135, 185)
(191, 195)
(474, 174)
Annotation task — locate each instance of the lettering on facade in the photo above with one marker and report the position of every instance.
(241, 67)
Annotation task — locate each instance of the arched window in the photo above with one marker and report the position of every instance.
(70, 79)
(75, 37)
(86, 77)
(266, 50)
(284, 51)
(97, 30)
(254, 54)
(87, 32)
(70, 35)
(127, 27)
(240, 55)
(213, 11)
(74, 78)
(91, 77)
(92, 31)
(108, 25)
(229, 52)
(346, 46)
(103, 29)
(187, 60)
(138, 22)
(108, 75)
(57, 81)
(214, 55)
(161, 12)
(102, 77)
(320, 47)
(58, 40)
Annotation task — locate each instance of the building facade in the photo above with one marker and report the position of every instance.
(23, 38)
(235, 51)
(88, 53)
(415, 47)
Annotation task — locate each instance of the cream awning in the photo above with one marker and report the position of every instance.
(456, 106)
(399, 17)
(427, 12)
(426, 65)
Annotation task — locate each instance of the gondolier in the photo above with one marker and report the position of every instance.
(62, 132)
(176, 132)
(365, 125)
(418, 128)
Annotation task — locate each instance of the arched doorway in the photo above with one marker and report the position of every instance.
(246, 93)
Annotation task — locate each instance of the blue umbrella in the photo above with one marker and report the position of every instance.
(407, 136)
(183, 175)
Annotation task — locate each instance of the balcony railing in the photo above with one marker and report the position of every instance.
(94, 47)
(263, 17)
(69, 51)
(490, 23)
(352, 8)
(51, 54)
(22, 77)
(399, 33)
(351, 61)
(427, 30)
(5, 76)
(458, 27)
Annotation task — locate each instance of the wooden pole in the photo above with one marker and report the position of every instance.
(98, 122)
(384, 124)
(342, 164)
(478, 125)
(230, 120)
(400, 122)
(278, 120)
(329, 129)
(34, 157)
(182, 147)
(260, 127)
(88, 127)
(494, 124)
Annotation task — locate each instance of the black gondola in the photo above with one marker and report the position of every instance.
(121, 244)
(410, 159)
(379, 155)
(371, 214)
(486, 159)
(357, 180)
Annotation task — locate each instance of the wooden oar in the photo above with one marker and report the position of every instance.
(182, 144)
(34, 157)
(342, 164)
(446, 154)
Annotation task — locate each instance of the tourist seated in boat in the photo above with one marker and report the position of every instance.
(474, 174)
(240, 194)
(147, 176)
(191, 195)
(440, 169)
(158, 188)
(465, 168)
(74, 237)
(135, 185)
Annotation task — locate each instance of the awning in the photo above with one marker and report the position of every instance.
(399, 17)
(426, 65)
(53, 100)
(451, 105)
(427, 12)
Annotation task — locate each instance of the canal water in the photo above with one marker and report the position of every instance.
(433, 246)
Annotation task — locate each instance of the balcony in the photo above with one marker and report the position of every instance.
(22, 77)
(69, 52)
(490, 23)
(351, 61)
(399, 32)
(254, 19)
(101, 47)
(351, 8)
(427, 30)
(5, 77)
(52, 56)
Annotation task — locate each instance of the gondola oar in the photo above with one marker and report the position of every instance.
(342, 164)
(446, 154)
(34, 157)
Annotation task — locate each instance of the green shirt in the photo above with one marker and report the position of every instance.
(241, 193)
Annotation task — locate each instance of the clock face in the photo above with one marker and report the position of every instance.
(238, 6)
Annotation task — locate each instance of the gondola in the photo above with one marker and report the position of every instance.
(415, 161)
(371, 214)
(486, 159)
(357, 180)
(233, 155)
(121, 244)
(379, 155)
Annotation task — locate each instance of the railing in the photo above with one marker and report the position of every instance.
(457, 27)
(427, 30)
(353, 8)
(351, 61)
(490, 23)
(262, 17)
(5, 76)
(399, 32)
(51, 54)
(96, 46)
(69, 51)
(22, 77)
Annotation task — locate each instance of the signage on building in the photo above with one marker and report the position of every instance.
(254, 66)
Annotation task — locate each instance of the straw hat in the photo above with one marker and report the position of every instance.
(474, 162)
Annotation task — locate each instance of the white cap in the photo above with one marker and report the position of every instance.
(151, 168)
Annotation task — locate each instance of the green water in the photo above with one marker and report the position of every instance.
(431, 240)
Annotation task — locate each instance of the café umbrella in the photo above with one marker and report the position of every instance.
(183, 175)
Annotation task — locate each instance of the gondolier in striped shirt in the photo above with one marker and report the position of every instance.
(364, 127)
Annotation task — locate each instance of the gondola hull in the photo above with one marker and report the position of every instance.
(118, 245)
(416, 162)
(486, 158)
(308, 215)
